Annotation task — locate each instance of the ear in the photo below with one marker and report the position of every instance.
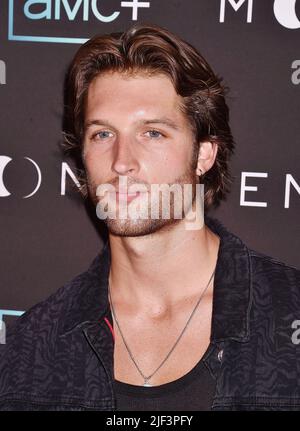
(206, 156)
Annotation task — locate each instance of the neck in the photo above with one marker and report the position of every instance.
(153, 272)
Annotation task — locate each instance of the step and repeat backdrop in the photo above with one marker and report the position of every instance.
(48, 233)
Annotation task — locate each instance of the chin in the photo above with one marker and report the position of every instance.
(135, 228)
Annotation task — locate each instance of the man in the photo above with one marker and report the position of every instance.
(167, 317)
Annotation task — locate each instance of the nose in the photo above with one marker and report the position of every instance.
(124, 158)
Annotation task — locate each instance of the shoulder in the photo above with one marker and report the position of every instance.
(275, 291)
(38, 355)
(262, 268)
(274, 270)
(42, 320)
(33, 344)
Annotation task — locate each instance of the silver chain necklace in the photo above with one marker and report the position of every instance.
(147, 378)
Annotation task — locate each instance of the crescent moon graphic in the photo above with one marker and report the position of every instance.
(38, 181)
(4, 160)
(285, 13)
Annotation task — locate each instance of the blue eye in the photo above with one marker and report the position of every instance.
(155, 134)
(102, 135)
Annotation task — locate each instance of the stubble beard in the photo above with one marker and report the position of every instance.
(136, 227)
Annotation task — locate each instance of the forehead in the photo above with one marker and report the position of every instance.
(116, 93)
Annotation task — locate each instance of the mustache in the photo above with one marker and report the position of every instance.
(130, 182)
(115, 182)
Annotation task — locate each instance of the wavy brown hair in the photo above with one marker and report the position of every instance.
(146, 48)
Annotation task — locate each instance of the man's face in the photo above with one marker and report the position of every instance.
(134, 128)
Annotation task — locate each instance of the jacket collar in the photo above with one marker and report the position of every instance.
(88, 293)
(232, 298)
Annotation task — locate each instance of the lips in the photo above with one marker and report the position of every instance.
(125, 192)
(121, 196)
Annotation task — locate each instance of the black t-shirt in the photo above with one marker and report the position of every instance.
(193, 391)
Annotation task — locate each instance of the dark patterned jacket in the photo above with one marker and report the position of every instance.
(59, 354)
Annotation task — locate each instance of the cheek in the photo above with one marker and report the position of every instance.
(88, 162)
(165, 168)
(95, 166)
(175, 160)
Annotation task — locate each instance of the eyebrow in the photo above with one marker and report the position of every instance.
(164, 120)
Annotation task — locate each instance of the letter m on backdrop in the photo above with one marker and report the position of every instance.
(236, 4)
